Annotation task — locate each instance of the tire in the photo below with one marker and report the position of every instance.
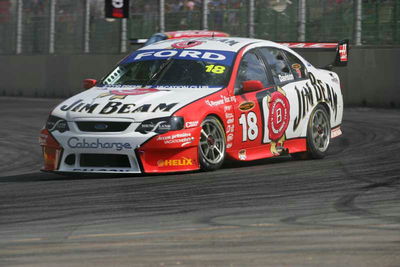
(318, 135)
(212, 144)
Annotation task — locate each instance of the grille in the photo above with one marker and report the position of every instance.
(102, 126)
(104, 160)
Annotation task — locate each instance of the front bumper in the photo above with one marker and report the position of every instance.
(121, 152)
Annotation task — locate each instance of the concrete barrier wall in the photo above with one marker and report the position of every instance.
(372, 77)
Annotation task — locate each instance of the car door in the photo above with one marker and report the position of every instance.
(290, 77)
(248, 108)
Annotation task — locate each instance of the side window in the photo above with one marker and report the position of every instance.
(298, 69)
(251, 68)
(279, 67)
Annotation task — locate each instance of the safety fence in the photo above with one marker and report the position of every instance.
(79, 26)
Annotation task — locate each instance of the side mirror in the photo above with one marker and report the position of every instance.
(89, 83)
(252, 85)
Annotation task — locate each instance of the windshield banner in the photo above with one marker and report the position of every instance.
(217, 56)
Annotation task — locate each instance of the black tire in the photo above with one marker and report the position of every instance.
(318, 135)
(212, 144)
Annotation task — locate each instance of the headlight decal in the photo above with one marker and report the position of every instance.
(56, 124)
(161, 125)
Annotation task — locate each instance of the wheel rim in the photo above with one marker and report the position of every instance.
(212, 142)
(320, 131)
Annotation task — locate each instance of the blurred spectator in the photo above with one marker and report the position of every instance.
(279, 5)
(5, 7)
(217, 9)
(36, 16)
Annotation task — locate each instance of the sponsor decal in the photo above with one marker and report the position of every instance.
(76, 142)
(315, 91)
(278, 120)
(115, 107)
(182, 138)
(228, 108)
(191, 124)
(217, 56)
(212, 103)
(228, 145)
(43, 139)
(230, 128)
(122, 93)
(229, 138)
(229, 42)
(229, 99)
(242, 154)
(296, 66)
(230, 121)
(229, 115)
(223, 100)
(336, 132)
(187, 87)
(175, 162)
(246, 106)
(186, 44)
(285, 77)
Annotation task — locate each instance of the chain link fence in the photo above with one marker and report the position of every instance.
(76, 27)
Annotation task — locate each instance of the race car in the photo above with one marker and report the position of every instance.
(160, 36)
(185, 105)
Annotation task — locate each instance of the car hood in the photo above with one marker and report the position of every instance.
(129, 102)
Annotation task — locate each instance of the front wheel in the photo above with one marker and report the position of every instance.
(212, 144)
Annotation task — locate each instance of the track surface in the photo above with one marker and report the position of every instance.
(343, 210)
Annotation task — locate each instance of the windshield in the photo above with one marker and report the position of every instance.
(172, 68)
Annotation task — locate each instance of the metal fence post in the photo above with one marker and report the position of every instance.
(301, 31)
(124, 30)
(52, 29)
(251, 18)
(18, 48)
(205, 15)
(162, 15)
(358, 21)
(86, 48)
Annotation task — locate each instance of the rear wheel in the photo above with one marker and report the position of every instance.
(318, 135)
(212, 144)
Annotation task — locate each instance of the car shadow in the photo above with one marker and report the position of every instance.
(48, 176)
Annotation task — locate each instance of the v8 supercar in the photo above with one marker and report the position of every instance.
(183, 105)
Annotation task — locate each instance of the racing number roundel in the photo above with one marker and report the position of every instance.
(279, 115)
(186, 44)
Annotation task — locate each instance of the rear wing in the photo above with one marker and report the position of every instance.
(342, 50)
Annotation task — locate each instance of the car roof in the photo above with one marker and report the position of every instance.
(233, 44)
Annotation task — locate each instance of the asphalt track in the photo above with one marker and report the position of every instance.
(343, 210)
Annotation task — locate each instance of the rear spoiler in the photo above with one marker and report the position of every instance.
(342, 50)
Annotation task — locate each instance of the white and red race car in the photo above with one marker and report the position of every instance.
(184, 105)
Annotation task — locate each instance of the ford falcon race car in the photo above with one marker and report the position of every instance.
(189, 104)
